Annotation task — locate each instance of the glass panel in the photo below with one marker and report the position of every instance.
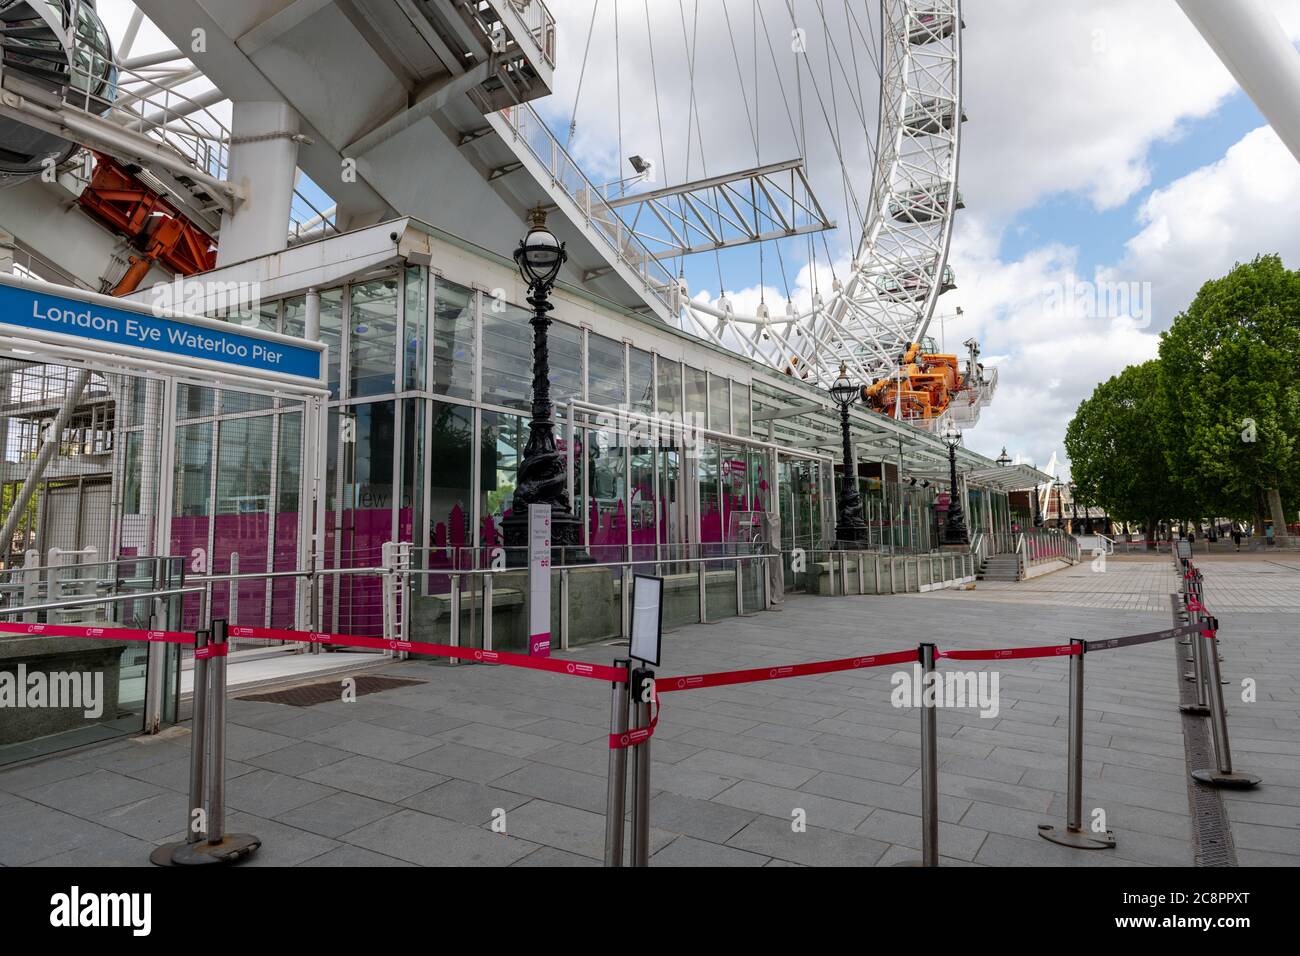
(453, 340)
(507, 355)
(606, 508)
(411, 507)
(641, 375)
(668, 375)
(295, 316)
(605, 381)
(741, 421)
(367, 519)
(191, 504)
(288, 498)
(565, 348)
(331, 332)
(719, 404)
(710, 503)
(697, 403)
(243, 512)
(194, 401)
(416, 323)
(644, 505)
(373, 338)
(504, 438)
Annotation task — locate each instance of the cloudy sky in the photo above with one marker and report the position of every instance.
(1106, 143)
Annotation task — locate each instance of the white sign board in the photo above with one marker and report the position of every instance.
(647, 617)
(539, 580)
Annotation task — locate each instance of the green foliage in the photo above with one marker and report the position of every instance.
(1116, 460)
(1229, 383)
(1214, 423)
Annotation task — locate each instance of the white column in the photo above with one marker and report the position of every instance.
(264, 160)
(1252, 45)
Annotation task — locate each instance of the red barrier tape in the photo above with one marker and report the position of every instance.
(555, 666)
(1011, 653)
(722, 678)
(636, 735)
(211, 650)
(104, 633)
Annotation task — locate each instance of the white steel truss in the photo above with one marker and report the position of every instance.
(900, 268)
(753, 205)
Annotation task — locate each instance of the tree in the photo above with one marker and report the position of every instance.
(1229, 384)
(1116, 459)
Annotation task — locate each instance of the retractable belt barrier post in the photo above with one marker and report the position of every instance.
(1074, 835)
(194, 828)
(615, 795)
(219, 847)
(1222, 775)
(1197, 659)
(928, 656)
(642, 691)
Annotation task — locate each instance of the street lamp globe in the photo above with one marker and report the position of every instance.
(843, 391)
(540, 254)
(951, 433)
(1004, 459)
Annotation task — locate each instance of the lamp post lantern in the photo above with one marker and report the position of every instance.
(849, 524)
(1003, 459)
(955, 530)
(542, 479)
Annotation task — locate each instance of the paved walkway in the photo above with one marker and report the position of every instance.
(413, 776)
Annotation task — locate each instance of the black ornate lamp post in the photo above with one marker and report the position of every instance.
(1003, 459)
(542, 479)
(955, 530)
(1038, 507)
(1060, 504)
(849, 525)
(1074, 509)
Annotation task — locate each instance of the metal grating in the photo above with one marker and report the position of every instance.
(1211, 829)
(306, 695)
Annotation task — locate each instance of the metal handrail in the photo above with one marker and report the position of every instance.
(109, 599)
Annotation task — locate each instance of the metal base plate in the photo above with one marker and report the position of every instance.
(1079, 839)
(232, 847)
(1235, 780)
(1196, 710)
(908, 863)
(162, 856)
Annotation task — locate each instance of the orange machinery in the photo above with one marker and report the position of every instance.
(119, 200)
(925, 386)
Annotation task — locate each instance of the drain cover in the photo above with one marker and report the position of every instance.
(308, 694)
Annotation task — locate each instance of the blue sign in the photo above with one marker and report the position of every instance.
(43, 312)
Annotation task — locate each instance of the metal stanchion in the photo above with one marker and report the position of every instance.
(740, 590)
(1223, 775)
(616, 791)
(1198, 673)
(704, 595)
(641, 769)
(1074, 834)
(220, 847)
(928, 654)
(195, 827)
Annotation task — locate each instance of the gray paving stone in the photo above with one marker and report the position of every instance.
(465, 801)
(872, 793)
(299, 758)
(336, 814)
(773, 837)
(748, 768)
(265, 793)
(360, 737)
(703, 819)
(282, 845)
(688, 851)
(353, 856)
(432, 841)
(569, 829)
(465, 763)
(512, 743)
(550, 856)
(92, 793)
(375, 778)
(558, 785)
(819, 811)
(904, 829)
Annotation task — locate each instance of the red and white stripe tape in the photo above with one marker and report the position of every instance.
(104, 633)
